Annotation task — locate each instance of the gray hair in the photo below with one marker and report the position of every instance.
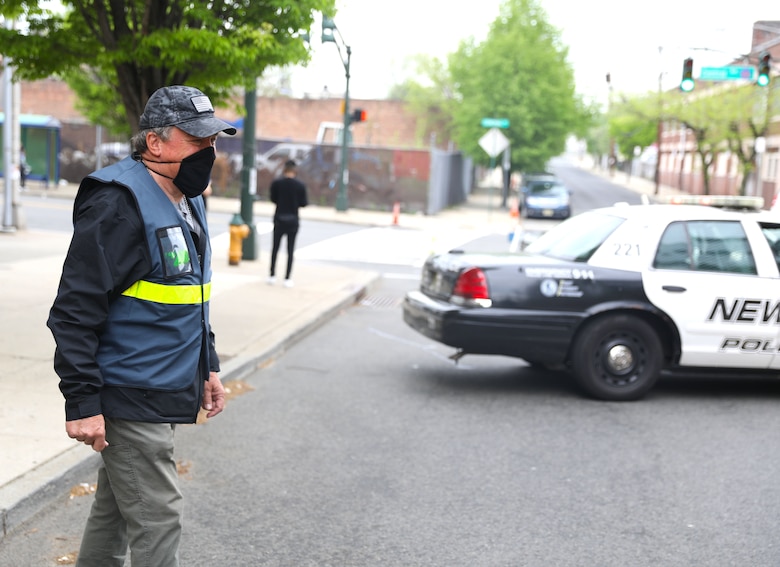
(138, 141)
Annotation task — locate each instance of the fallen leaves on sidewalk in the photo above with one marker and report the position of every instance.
(233, 389)
(183, 467)
(68, 559)
(236, 388)
(82, 489)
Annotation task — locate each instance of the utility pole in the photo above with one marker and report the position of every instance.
(659, 132)
(8, 146)
(330, 33)
(611, 158)
(249, 175)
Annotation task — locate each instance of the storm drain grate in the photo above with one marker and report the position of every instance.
(379, 302)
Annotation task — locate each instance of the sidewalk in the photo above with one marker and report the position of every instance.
(254, 324)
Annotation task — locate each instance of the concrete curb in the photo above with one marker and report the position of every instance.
(23, 497)
(41, 487)
(239, 367)
(31, 493)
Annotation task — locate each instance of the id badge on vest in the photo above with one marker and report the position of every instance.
(175, 254)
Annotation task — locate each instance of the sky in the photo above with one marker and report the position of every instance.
(635, 42)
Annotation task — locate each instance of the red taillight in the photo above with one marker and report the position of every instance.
(471, 284)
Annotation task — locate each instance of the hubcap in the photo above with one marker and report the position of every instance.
(619, 359)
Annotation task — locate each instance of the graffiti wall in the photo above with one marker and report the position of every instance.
(376, 178)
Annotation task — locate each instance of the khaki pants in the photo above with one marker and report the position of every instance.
(137, 502)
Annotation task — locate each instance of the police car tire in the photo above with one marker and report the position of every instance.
(637, 369)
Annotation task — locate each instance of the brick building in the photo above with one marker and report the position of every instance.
(387, 164)
(388, 123)
(680, 166)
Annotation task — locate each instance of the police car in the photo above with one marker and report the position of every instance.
(617, 295)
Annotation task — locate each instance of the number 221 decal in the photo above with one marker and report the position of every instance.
(626, 249)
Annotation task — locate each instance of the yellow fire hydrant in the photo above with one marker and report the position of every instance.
(239, 230)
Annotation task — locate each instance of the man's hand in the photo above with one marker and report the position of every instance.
(214, 395)
(90, 431)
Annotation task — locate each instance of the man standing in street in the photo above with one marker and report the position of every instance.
(134, 349)
(289, 195)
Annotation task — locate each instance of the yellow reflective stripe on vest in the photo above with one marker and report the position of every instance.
(171, 294)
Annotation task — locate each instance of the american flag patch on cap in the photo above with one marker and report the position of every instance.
(202, 103)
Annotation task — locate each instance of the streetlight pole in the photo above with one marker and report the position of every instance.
(249, 175)
(8, 224)
(659, 127)
(611, 159)
(329, 31)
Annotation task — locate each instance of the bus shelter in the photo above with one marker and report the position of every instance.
(41, 141)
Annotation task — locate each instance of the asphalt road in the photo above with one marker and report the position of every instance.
(54, 214)
(365, 446)
(590, 192)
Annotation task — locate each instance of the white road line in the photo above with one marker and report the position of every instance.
(387, 245)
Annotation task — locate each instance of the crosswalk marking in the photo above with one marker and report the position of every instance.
(386, 245)
(376, 245)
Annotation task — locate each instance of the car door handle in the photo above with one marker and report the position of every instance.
(673, 288)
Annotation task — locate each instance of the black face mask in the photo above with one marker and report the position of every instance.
(194, 172)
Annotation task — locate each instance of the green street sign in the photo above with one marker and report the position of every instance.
(495, 123)
(727, 73)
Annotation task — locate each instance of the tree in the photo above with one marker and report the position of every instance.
(520, 72)
(633, 122)
(431, 103)
(116, 53)
(587, 115)
(597, 138)
(745, 127)
(723, 118)
(728, 118)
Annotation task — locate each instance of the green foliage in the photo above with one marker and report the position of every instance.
(597, 137)
(93, 102)
(587, 115)
(431, 103)
(116, 53)
(520, 72)
(720, 117)
(634, 123)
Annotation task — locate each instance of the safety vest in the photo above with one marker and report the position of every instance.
(157, 330)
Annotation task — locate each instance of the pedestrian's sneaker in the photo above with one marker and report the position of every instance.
(288, 283)
(271, 280)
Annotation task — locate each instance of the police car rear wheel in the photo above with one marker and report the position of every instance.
(618, 357)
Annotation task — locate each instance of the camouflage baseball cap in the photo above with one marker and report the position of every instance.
(186, 108)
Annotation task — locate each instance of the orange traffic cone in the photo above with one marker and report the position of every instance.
(396, 212)
(514, 210)
(516, 233)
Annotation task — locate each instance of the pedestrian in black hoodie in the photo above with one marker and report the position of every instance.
(289, 194)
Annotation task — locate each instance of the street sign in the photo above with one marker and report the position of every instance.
(495, 123)
(727, 73)
(493, 142)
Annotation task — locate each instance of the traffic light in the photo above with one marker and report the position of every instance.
(687, 83)
(358, 115)
(764, 64)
